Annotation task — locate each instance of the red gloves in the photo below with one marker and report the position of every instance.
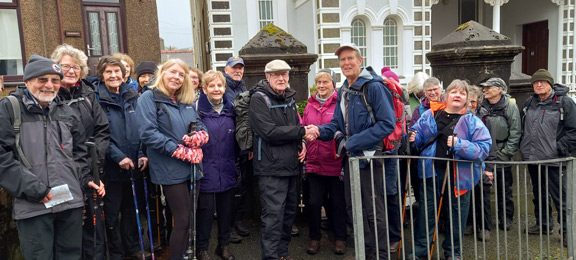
(191, 155)
(197, 140)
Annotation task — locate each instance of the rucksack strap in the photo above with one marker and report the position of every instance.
(16, 126)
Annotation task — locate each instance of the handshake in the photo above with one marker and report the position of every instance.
(312, 132)
(190, 150)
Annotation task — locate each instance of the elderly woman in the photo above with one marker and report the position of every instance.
(323, 167)
(449, 131)
(79, 94)
(432, 93)
(416, 89)
(173, 144)
(216, 188)
(129, 66)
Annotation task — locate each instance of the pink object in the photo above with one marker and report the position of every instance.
(386, 72)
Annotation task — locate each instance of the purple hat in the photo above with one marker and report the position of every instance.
(386, 72)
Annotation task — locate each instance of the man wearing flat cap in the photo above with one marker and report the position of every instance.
(279, 150)
(549, 122)
(43, 164)
(503, 122)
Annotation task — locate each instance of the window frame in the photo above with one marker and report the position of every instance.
(395, 46)
(15, 4)
(270, 11)
(363, 48)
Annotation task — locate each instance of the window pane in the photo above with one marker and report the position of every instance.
(266, 14)
(359, 38)
(94, 20)
(112, 32)
(10, 48)
(390, 43)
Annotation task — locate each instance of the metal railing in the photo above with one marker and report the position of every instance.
(515, 243)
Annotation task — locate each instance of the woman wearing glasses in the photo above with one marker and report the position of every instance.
(433, 93)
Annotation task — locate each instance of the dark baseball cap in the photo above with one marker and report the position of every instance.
(232, 61)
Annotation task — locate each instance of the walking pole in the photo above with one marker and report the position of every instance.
(406, 191)
(442, 193)
(148, 214)
(137, 212)
(192, 227)
(94, 154)
(157, 213)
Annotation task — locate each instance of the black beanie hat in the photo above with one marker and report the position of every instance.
(38, 66)
(145, 67)
(542, 75)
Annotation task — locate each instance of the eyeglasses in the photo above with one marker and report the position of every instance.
(432, 90)
(43, 80)
(279, 74)
(67, 67)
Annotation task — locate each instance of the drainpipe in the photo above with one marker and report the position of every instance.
(58, 5)
(496, 18)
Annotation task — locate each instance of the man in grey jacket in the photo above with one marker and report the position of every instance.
(46, 171)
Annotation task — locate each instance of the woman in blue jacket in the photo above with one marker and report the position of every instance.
(216, 189)
(448, 131)
(173, 143)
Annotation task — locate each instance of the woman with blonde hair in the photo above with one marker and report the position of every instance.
(173, 135)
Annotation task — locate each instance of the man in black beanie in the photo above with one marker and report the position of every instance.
(43, 164)
(549, 132)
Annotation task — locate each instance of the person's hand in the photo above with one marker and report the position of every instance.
(47, 198)
(312, 132)
(490, 175)
(126, 164)
(196, 140)
(302, 153)
(99, 189)
(412, 137)
(452, 140)
(142, 163)
(188, 154)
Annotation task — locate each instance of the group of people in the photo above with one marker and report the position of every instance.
(174, 131)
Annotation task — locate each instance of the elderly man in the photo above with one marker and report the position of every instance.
(549, 132)
(43, 164)
(362, 138)
(279, 150)
(234, 71)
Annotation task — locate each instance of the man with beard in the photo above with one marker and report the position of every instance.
(42, 156)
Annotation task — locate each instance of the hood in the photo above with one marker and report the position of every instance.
(264, 86)
(205, 107)
(560, 89)
(331, 100)
(366, 75)
(125, 90)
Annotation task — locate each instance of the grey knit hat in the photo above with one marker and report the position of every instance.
(38, 66)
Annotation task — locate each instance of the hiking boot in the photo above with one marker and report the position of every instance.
(313, 247)
(535, 230)
(483, 235)
(224, 252)
(295, 231)
(469, 230)
(394, 247)
(339, 247)
(241, 229)
(234, 237)
(203, 255)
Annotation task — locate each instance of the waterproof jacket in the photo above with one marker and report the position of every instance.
(321, 155)
(545, 136)
(84, 101)
(503, 121)
(133, 84)
(163, 124)
(419, 110)
(219, 161)
(277, 131)
(233, 87)
(52, 141)
(124, 123)
(473, 144)
(361, 134)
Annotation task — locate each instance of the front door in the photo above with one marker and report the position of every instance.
(535, 41)
(103, 27)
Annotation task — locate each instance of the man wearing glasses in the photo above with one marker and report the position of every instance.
(43, 164)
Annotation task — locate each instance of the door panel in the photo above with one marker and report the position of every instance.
(103, 29)
(535, 41)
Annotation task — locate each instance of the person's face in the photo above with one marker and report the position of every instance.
(195, 79)
(215, 90)
(350, 64)
(457, 99)
(71, 69)
(235, 72)
(144, 79)
(44, 88)
(173, 78)
(112, 77)
(473, 103)
(324, 86)
(433, 92)
(491, 92)
(542, 88)
(278, 80)
(128, 70)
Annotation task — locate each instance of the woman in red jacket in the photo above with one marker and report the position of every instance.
(323, 166)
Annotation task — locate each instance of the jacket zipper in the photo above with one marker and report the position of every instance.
(45, 119)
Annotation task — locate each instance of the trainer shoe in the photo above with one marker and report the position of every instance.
(224, 252)
(535, 230)
(483, 235)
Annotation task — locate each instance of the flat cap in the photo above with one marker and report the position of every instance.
(496, 82)
(277, 65)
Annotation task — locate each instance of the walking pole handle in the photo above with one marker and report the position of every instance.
(93, 150)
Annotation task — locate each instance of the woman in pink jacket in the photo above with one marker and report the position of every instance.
(323, 167)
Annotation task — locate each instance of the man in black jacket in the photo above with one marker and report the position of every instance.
(278, 150)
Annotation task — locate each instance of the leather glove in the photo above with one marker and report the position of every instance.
(191, 155)
(196, 140)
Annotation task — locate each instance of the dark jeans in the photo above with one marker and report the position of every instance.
(482, 205)
(122, 231)
(504, 178)
(370, 227)
(89, 248)
(428, 209)
(319, 186)
(178, 198)
(208, 203)
(52, 235)
(279, 199)
(245, 181)
(539, 187)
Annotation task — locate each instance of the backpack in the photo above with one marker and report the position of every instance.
(393, 140)
(16, 126)
(557, 99)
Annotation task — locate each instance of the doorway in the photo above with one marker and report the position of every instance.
(104, 33)
(535, 42)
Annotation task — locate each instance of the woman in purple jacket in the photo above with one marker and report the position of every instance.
(216, 194)
(323, 167)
